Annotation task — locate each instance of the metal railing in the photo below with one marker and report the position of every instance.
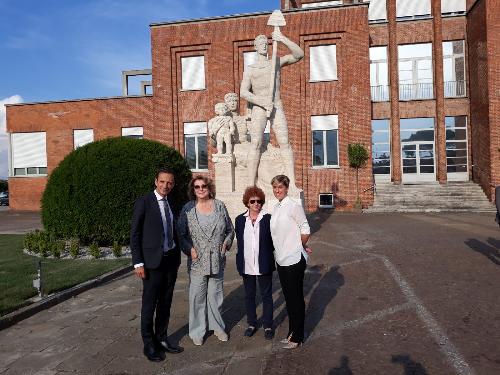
(454, 89)
(416, 91)
(380, 93)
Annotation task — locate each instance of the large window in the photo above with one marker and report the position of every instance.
(453, 6)
(133, 132)
(456, 144)
(379, 74)
(381, 147)
(29, 154)
(454, 69)
(325, 140)
(377, 10)
(415, 72)
(413, 8)
(193, 73)
(322, 4)
(81, 137)
(323, 63)
(195, 145)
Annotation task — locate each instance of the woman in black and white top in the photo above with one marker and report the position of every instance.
(255, 259)
(290, 232)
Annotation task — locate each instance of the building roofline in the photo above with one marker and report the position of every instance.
(79, 100)
(254, 14)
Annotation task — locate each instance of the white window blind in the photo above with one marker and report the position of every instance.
(81, 137)
(453, 6)
(29, 150)
(410, 8)
(377, 10)
(249, 58)
(323, 63)
(135, 132)
(195, 128)
(328, 122)
(322, 4)
(193, 73)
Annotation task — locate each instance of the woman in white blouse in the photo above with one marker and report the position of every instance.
(290, 232)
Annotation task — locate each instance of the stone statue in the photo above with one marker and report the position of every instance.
(260, 87)
(221, 128)
(241, 130)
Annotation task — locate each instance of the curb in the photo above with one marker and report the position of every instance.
(56, 298)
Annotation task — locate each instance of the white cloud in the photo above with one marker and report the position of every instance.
(3, 134)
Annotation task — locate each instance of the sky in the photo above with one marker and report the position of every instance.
(74, 49)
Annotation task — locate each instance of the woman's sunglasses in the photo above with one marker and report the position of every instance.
(198, 187)
(258, 201)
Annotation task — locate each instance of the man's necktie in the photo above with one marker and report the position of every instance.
(168, 225)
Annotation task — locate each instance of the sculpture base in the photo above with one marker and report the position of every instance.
(224, 172)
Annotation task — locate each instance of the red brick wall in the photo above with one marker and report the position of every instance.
(223, 42)
(58, 120)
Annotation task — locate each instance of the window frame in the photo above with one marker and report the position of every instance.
(41, 170)
(323, 79)
(334, 119)
(194, 88)
(196, 136)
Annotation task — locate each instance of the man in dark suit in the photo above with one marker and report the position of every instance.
(156, 259)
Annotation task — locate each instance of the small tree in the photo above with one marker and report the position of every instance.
(358, 155)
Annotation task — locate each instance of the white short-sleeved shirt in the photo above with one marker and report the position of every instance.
(288, 223)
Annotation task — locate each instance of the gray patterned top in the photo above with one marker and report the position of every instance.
(207, 241)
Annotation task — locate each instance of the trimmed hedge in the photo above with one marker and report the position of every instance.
(90, 195)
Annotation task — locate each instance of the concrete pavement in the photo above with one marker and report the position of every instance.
(385, 294)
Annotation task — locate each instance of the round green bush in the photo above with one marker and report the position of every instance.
(90, 195)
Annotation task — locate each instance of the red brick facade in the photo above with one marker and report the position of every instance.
(222, 42)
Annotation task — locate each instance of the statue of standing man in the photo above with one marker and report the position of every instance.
(265, 102)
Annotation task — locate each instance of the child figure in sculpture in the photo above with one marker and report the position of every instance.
(221, 128)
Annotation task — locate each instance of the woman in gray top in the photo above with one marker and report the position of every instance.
(205, 234)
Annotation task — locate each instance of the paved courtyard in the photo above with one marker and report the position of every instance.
(386, 294)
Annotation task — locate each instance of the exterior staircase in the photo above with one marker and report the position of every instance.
(433, 197)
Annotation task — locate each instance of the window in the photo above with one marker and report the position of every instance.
(322, 4)
(454, 69)
(82, 136)
(193, 73)
(412, 8)
(323, 63)
(377, 10)
(415, 72)
(249, 58)
(453, 6)
(195, 145)
(326, 200)
(381, 147)
(325, 141)
(456, 144)
(379, 74)
(29, 154)
(133, 132)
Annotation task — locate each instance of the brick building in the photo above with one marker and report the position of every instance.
(417, 82)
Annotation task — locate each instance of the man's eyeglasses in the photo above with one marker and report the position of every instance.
(198, 187)
(258, 201)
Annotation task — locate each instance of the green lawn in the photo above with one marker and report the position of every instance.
(18, 270)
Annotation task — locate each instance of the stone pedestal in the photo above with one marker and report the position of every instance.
(224, 172)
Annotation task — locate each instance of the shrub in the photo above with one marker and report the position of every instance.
(94, 250)
(74, 248)
(117, 249)
(31, 241)
(91, 194)
(57, 248)
(44, 245)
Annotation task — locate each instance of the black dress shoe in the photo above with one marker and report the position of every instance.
(249, 332)
(152, 353)
(169, 348)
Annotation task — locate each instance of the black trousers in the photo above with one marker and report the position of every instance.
(157, 292)
(292, 284)
(266, 293)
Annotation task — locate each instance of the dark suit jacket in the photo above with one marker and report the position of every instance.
(266, 248)
(146, 233)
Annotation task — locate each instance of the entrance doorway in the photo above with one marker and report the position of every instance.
(418, 162)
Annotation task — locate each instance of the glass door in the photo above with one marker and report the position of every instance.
(418, 162)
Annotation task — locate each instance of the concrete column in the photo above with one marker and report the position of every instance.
(394, 92)
(437, 49)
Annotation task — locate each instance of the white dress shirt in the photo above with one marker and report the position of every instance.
(251, 237)
(288, 223)
(159, 198)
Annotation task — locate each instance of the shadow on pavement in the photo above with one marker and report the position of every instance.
(490, 250)
(343, 369)
(411, 367)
